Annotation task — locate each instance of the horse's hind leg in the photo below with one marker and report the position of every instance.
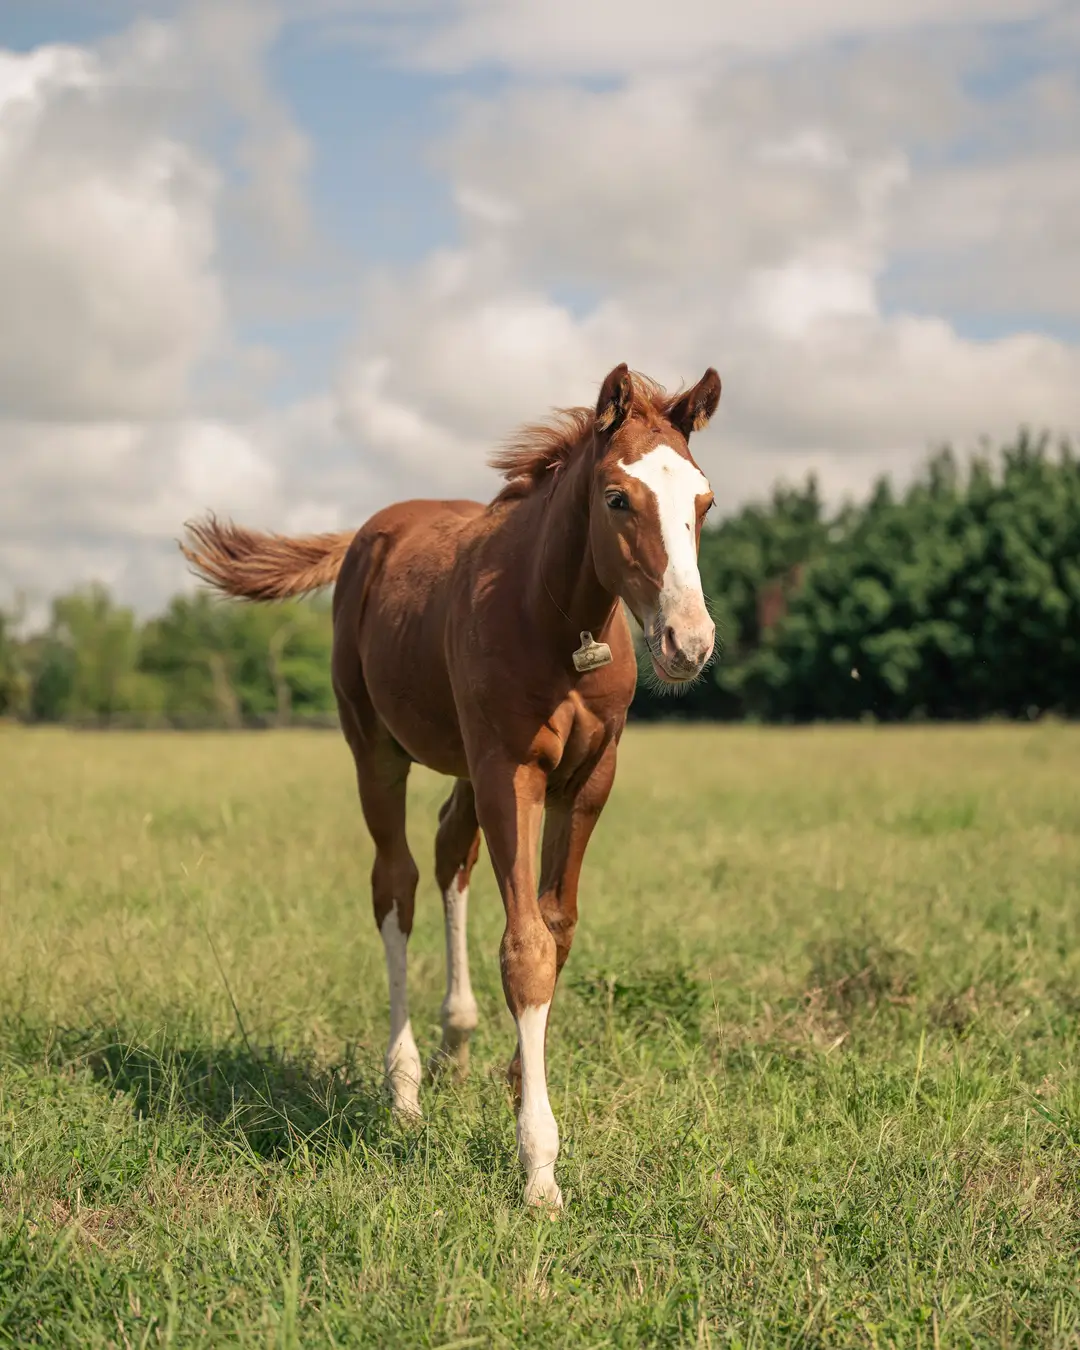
(457, 845)
(382, 774)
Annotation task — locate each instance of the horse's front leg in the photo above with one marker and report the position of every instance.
(568, 825)
(510, 806)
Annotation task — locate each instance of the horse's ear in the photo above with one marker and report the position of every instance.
(613, 405)
(693, 410)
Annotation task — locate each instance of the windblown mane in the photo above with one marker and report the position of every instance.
(539, 451)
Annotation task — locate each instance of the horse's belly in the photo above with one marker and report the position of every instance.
(407, 682)
(436, 744)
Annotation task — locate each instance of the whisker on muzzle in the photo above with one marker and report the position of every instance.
(652, 653)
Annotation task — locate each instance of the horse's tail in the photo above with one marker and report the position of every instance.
(257, 566)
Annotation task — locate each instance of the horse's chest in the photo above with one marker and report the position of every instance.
(578, 736)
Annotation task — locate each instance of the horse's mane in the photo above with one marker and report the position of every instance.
(539, 449)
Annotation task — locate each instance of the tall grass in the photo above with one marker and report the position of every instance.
(814, 1057)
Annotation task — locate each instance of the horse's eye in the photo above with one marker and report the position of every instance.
(618, 501)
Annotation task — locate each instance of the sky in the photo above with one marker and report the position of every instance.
(295, 259)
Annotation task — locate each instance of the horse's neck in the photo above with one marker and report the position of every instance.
(566, 593)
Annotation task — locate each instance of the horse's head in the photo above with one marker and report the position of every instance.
(649, 501)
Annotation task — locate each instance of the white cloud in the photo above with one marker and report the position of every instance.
(685, 182)
(742, 191)
(118, 219)
(790, 300)
(106, 242)
(223, 49)
(862, 387)
(108, 500)
(746, 217)
(997, 238)
(599, 37)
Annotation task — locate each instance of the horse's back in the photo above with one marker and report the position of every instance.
(410, 549)
(420, 513)
(412, 541)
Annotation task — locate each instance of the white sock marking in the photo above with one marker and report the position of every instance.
(402, 1056)
(459, 1012)
(537, 1132)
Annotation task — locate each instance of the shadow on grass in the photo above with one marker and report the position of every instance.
(274, 1106)
(269, 1102)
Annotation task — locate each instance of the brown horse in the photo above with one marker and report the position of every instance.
(488, 643)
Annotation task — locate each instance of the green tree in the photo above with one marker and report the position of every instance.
(230, 661)
(959, 599)
(87, 663)
(14, 679)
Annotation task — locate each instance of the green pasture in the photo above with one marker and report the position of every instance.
(814, 1058)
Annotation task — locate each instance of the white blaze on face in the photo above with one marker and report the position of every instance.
(676, 484)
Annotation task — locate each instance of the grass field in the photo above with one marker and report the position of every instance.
(815, 1058)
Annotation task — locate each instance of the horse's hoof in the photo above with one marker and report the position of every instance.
(542, 1192)
(407, 1111)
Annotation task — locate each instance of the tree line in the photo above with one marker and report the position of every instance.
(203, 662)
(958, 597)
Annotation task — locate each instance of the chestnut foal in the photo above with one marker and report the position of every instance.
(488, 643)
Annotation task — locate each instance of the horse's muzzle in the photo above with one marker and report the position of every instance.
(685, 643)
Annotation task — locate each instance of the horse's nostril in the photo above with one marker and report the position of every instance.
(671, 646)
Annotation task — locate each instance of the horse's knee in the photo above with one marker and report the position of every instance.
(394, 879)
